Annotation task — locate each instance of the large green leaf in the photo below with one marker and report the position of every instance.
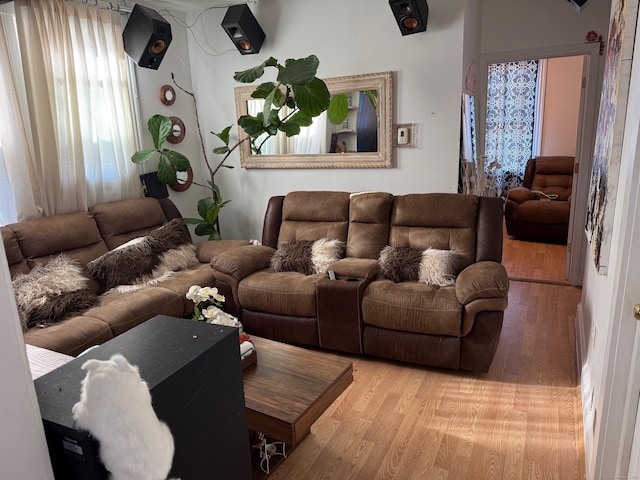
(143, 156)
(204, 205)
(252, 125)
(338, 109)
(178, 160)
(221, 150)
(204, 229)
(263, 90)
(159, 127)
(290, 128)
(301, 118)
(252, 74)
(312, 98)
(372, 95)
(166, 173)
(224, 135)
(298, 71)
(192, 221)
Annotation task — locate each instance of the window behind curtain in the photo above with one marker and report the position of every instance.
(511, 107)
(79, 124)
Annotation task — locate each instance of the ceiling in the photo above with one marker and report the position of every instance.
(189, 5)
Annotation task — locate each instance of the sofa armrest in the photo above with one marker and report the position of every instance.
(520, 195)
(242, 261)
(356, 267)
(207, 251)
(482, 280)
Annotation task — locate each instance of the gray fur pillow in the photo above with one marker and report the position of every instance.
(52, 292)
(124, 264)
(431, 266)
(400, 264)
(307, 256)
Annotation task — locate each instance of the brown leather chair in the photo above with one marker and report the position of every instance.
(539, 210)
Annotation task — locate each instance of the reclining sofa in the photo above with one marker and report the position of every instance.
(85, 236)
(352, 306)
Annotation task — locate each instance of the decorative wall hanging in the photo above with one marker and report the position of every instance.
(177, 130)
(167, 94)
(609, 135)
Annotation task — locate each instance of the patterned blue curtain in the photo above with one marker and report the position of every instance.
(511, 105)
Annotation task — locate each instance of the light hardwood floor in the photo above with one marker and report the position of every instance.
(521, 420)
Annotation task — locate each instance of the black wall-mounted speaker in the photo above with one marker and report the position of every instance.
(411, 15)
(243, 29)
(146, 37)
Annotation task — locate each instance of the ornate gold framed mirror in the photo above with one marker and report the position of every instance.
(362, 141)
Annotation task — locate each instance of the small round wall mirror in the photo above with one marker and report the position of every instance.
(167, 94)
(177, 130)
(184, 181)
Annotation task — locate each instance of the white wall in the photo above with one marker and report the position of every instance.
(524, 24)
(602, 315)
(354, 37)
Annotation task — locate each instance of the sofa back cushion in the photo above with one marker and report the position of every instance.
(15, 259)
(369, 215)
(313, 215)
(75, 234)
(442, 221)
(124, 220)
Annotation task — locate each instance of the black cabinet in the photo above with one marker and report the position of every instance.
(194, 375)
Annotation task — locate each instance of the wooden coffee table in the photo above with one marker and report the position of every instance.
(290, 387)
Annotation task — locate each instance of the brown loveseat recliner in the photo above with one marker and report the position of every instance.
(539, 210)
(86, 235)
(455, 326)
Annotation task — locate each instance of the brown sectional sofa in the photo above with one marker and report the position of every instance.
(85, 236)
(456, 326)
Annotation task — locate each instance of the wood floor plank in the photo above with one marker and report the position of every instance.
(521, 420)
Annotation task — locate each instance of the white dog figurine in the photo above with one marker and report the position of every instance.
(115, 407)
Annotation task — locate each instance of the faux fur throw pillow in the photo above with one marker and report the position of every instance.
(438, 267)
(431, 266)
(307, 256)
(52, 292)
(400, 264)
(137, 261)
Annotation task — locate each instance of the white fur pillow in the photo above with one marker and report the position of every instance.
(438, 267)
(324, 252)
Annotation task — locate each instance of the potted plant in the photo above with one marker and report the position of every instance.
(296, 87)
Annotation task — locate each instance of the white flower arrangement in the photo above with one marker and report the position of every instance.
(212, 313)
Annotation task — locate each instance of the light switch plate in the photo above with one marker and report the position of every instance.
(405, 135)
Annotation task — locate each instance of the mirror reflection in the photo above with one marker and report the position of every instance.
(363, 140)
(358, 132)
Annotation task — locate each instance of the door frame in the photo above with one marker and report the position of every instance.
(587, 120)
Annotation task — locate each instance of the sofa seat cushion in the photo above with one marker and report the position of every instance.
(123, 311)
(282, 293)
(544, 211)
(181, 281)
(72, 336)
(412, 307)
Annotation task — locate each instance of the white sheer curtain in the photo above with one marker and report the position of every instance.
(18, 198)
(77, 93)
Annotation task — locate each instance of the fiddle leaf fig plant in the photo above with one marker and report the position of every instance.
(170, 161)
(290, 103)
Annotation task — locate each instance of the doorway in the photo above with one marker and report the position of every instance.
(575, 249)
